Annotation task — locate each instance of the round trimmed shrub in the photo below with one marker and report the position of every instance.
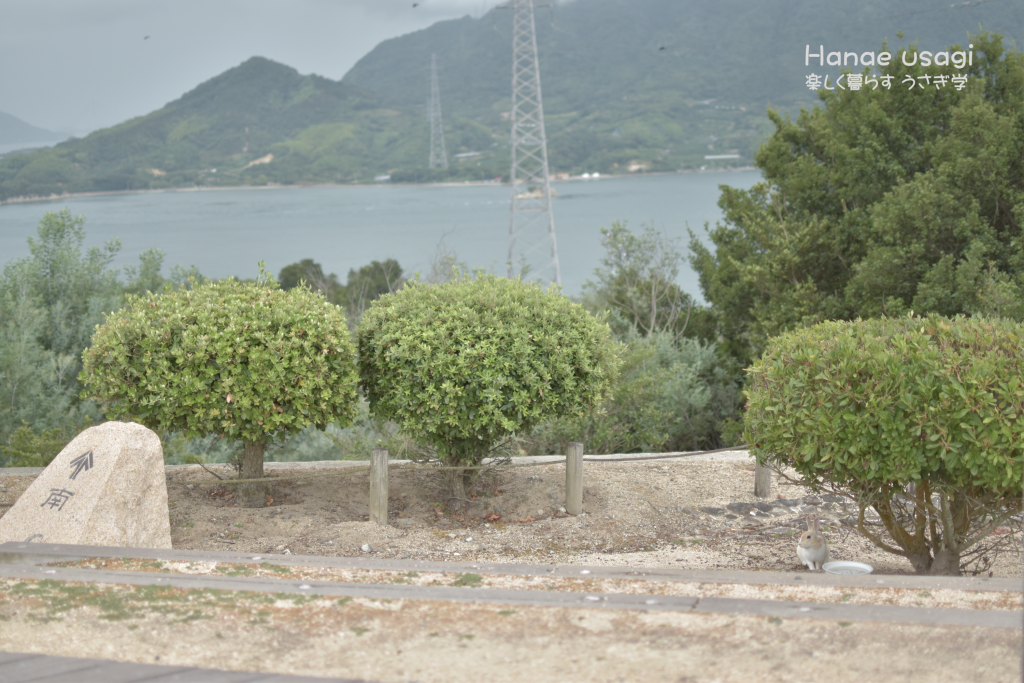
(248, 361)
(920, 418)
(463, 364)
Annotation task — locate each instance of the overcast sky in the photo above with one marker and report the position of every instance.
(79, 65)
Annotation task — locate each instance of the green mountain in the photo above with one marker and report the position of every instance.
(15, 131)
(660, 83)
(628, 85)
(257, 123)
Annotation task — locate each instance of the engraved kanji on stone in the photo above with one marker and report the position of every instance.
(57, 499)
(82, 463)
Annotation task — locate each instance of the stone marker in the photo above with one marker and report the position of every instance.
(107, 487)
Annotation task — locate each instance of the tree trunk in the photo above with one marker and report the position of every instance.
(252, 494)
(456, 482)
(921, 562)
(946, 563)
(762, 481)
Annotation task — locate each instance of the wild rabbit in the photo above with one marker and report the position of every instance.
(812, 549)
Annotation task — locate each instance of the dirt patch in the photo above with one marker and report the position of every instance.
(679, 513)
(654, 513)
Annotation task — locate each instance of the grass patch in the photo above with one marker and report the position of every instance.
(117, 603)
(468, 580)
(277, 569)
(234, 570)
(260, 618)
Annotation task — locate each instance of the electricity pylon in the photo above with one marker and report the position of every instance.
(531, 235)
(438, 157)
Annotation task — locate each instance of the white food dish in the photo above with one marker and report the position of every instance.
(843, 567)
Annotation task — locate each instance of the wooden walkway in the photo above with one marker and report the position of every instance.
(25, 668)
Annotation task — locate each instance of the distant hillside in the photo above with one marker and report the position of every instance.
(660, 83)
(628, 85)
(14, 131)
(257, 123)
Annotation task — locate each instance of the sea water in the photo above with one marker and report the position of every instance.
(227, 232)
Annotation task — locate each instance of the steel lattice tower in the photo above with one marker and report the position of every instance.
(531, 236)
(438, 157)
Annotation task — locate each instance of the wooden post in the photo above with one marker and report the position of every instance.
(574, 479)
(379, 486)
(762, 481)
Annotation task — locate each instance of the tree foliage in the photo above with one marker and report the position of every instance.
(26, 448)
(637, 281)
(463, 364)
(248, 361)
(880, 202)
(872, 407)
(369, 283)
(49, 302)
(676, 391)
(670, 394)
(362, 287)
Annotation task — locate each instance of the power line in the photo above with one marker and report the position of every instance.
(531, 238)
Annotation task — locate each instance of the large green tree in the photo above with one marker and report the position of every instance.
(880, 202)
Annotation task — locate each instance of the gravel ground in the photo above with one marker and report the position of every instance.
(642, 514)
(400, 641)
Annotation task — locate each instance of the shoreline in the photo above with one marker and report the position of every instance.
(278, 186)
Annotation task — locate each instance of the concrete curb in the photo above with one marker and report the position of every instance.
(35, 553)
(530, 598)
(21, 560)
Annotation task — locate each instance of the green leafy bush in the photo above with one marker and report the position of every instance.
(630, 420)
(26, 448)
(463, 364)
(921, 419)
(248, 361)
(671, 394)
